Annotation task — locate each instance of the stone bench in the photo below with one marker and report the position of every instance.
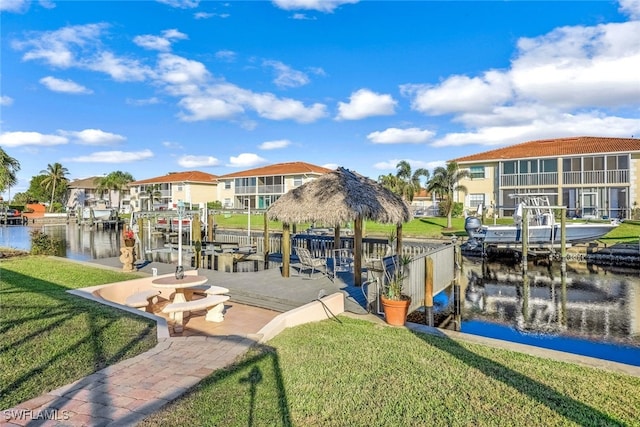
(204, 290)
(214, 304)
(142, 300)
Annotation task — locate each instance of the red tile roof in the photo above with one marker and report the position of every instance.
(290, 168)
(85, 182)
(188, 176)
(558, 147)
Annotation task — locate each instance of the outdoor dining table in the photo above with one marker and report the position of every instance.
(171, 282)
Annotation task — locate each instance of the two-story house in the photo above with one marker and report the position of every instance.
(84, 192)
(163, 192)
(591, 176)
(258, 188)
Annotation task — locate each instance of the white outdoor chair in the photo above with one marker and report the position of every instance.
(307, 262)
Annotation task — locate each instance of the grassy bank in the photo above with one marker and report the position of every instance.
(428, 227)
(356, 373)
(51, 338)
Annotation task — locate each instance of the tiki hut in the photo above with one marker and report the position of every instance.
(336, 198)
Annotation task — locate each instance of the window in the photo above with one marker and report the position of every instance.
(227, 185)
(179, 187)
(297, 181)
(509, 168)
(476, 200)
(476, 172)
(227, 203)
(549, 165)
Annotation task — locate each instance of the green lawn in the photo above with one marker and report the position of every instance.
(357, 373)
(51, 338)
(428, 227)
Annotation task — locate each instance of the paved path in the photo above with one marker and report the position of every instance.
(125, 393)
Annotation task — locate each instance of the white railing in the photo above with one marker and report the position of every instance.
(529, 179)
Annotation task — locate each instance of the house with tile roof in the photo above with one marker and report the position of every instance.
(195, 188)
(258, 188)
(84, 192)
(594, 177)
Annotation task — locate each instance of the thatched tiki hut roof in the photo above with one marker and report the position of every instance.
(336, 198)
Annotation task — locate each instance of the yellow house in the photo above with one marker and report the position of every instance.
(258, 188)
(594, 177)
(163, 192)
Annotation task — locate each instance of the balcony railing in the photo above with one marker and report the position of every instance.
(271, 189)
(529, 179)
(616, 176)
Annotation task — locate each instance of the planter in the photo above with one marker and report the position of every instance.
(129, 243)
(395, 312)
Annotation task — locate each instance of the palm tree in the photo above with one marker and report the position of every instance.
(8, 168)
(409, 182)
(55, 174)
(113, 182)
(445, 182)
(153, 193)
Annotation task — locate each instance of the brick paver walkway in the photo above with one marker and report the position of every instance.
(125, 393)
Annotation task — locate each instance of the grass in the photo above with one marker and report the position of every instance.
(356, 373)
(51, 338)
(428, 227)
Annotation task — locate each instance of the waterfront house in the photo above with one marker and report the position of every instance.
(594, 177)
(195, 188)
(258, 188)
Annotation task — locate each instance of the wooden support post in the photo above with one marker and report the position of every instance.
(141, 238)
(357, 252)
(286, 249)
(525, 239)
(428, 290)
(563, 267)
(457, 299)
(266, 240)
(210, 223)
(336, 237)
(399, 240)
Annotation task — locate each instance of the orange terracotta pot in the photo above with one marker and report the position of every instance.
(395, 312)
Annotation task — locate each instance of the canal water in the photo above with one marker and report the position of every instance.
(589, 310)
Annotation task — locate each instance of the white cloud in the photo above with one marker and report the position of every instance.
(94, 137)
(556, 126)
(303, 17)
(274, 145)
(332, 166)
(5, 100)
(245, 160)
(64, 86)
(181, 4)
(225, 100)
(631, 8)
(207, 15)
(226, 55)
(59, 48)
(286, 76)
(163, 43)
(142, 102)
(47, 4)
(182, 76)
(460, 94)
(366, 103)
(15, 6)
(172, 145)
(570, 81)
(197, 161)
(327, 6)
(401, 136)
(120, 69)
(20, 139)
(113, 157)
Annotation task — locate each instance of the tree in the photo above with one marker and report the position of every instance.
(153, 193)
(56, 174)
(8, 168)
(408, 182)
(113, 182)
(445, 181)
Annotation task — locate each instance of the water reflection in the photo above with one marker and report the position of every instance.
(592, 304)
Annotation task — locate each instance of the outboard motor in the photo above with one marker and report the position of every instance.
(472, 225)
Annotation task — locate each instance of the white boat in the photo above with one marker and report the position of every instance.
(99, 211)
(542, 226)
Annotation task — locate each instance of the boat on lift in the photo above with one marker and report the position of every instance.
(542, 225)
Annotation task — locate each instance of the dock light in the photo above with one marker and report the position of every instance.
(179, 268)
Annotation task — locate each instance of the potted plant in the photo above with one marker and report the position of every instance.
(129, 238)
(395, 303)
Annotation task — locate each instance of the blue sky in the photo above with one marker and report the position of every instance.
(150, 87)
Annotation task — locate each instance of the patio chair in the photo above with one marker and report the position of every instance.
(307, 262)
